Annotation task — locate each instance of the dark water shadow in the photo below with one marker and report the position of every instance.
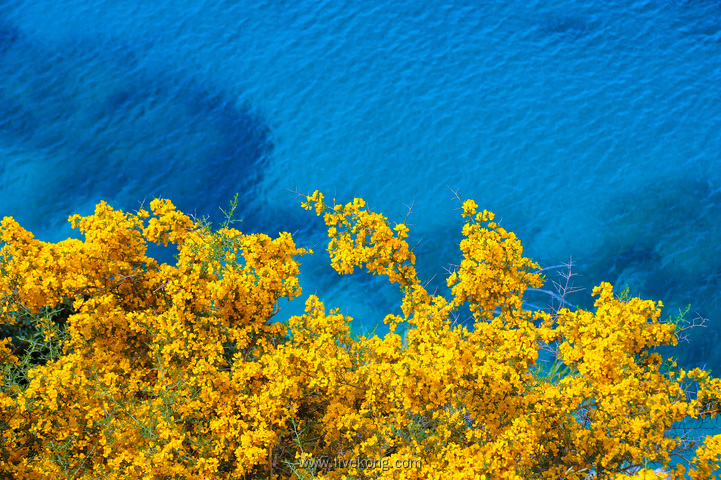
(95, 120)
(662, 241)
(567, 26)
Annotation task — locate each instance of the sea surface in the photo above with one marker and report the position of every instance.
(591, 129)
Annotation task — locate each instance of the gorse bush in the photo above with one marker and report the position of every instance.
(116, 366)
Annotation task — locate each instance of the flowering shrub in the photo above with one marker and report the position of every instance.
(121, 368)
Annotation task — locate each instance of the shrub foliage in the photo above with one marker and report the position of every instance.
(116, 366)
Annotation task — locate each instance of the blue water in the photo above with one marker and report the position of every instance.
(592, 129)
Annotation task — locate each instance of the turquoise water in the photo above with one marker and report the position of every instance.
(592, 130)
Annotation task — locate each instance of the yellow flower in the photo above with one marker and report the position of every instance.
(469, 208)
(182, 371)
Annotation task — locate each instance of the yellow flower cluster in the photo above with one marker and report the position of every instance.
(148, 370)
